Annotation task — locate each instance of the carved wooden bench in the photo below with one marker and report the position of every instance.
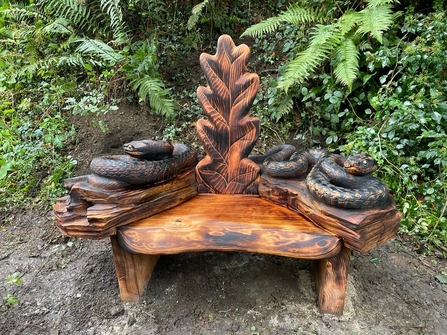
(226, 202)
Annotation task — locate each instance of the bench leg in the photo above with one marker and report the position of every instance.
(133, 271)
(331, 281)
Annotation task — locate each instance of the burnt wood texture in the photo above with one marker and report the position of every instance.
(229, 223)
(229, 134)
(361, 230)
(225, 202)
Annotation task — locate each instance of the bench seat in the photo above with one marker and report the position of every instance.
(210, 222)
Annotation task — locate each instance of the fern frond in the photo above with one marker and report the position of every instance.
(99, 49)
(376, 20)
(196, 11)
(364, 45)
(75, 12)
(325, 35)
(72, 61)
(113, 10)
(324, 40)
(23, 14)
(348, 21)
(28, 71)
(304, 65)
(376, 3)
(154, 89)
(264, 27)
(301, 15)
(59, 26)
(294, 14)
(284, 107)
(346, 62)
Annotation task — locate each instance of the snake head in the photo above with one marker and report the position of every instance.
(360, 164)
(149, 149)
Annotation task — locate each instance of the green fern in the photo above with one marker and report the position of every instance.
(100, 49)
(339, 42)
(58, 26)
(346, 62)
(324, 40)
(294, 15)
(196, 12)
(375, 20)
(75, 12)
(114, 12)
(154, 89)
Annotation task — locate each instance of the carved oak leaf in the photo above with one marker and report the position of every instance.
(229, 134)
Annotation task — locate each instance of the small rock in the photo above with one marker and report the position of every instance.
(131, 320)
(116, 310)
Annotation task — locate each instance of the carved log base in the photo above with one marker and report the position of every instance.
(361, 230)
(133, 271)
(331, 277)
(95, 213)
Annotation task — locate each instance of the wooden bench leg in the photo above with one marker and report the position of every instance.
(331, 281)
(133, 271)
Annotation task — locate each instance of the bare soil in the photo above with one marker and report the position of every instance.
(70, 287)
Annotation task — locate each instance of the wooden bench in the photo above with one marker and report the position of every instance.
(226, 202)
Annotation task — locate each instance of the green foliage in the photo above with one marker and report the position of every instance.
(339, 41)
(11, 300)
(295, 14)
(408, 130)
(196, 13)
(59, 60)
(142, 73)
(13, 279)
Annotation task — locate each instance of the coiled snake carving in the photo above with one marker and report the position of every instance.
(333, 179)
(146, 162)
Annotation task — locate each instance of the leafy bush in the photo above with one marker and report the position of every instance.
(59, 59)
(408, 129)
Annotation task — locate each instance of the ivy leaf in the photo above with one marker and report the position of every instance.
(442, 279)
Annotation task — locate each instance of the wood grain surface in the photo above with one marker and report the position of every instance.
(228, 134)
(331, 276)
(95, 213)
(361, 230)
(132, 270)
(229, 223)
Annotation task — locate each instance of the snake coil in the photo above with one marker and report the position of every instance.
(146, 162)
(333, 179)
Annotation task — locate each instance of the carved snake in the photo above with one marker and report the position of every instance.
(333, 179)
(146, 162)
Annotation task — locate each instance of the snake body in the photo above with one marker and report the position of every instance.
(146, 162)
(330, 182)
(333, 179)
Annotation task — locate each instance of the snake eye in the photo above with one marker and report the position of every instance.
(365, 163)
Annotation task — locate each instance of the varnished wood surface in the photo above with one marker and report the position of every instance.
(331, 277)
(229, 223)
(229, 134)
(361, 230)
(132, 270)
(95, 213)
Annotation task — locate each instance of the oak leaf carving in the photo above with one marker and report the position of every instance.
(229, 134)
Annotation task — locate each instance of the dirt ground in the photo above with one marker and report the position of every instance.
(69, 285)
